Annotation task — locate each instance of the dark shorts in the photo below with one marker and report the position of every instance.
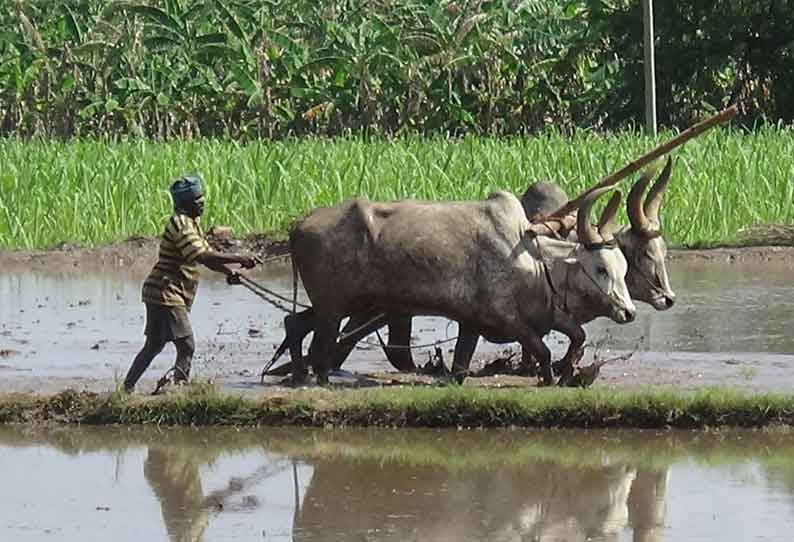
(167, 323)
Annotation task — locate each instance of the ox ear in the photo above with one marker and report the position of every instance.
(607, 224)
(654, 199)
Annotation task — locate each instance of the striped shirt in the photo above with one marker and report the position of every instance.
(173, 280)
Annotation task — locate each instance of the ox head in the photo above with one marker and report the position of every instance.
(643, 244)
(600, 264)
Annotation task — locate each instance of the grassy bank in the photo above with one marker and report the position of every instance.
(93, 192)
(411, 407)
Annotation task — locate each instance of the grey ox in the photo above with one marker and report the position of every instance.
(474, 262)
(641, 243)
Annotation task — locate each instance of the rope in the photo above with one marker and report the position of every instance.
(260, 290)
(272, 258)
(408, 346)
(365, 325)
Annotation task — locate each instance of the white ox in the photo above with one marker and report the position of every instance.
(474, 262)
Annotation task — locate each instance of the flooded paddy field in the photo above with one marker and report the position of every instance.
(80, 326)
(74, 484)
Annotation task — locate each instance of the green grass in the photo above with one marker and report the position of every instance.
(412, 407)
(91, 192)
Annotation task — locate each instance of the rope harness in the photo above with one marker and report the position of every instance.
(262, 292)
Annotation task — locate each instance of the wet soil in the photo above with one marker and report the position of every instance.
(70, 317)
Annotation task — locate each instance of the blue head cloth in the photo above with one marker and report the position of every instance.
(186, 189)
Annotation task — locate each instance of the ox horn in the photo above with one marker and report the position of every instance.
(584, 230)
(639, 221)
(654, 199)
(607, 224)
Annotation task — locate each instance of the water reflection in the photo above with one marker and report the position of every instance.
(174, 476)
(303, 485)
(544, 502)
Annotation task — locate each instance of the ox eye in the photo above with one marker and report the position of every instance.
(601, 270)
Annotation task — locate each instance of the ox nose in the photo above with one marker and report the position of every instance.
(669, 301)
(627, 315)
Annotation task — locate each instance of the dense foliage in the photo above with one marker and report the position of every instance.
(270, 68)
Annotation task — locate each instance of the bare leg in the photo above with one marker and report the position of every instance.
(151, 348)
(185, 347)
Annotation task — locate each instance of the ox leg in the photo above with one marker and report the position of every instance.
(322, 347)
(344, 347)
(533, 345)
(464, 349)
(399, 352)
(576, 335)
(296, 327)
(528, 363)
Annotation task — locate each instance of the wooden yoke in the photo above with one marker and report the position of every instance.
(611, 180)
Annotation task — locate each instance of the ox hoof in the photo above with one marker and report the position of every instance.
(528, 369)
(296, 379)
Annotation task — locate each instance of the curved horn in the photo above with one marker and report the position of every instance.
(607, 224)
(639, 222)
(654, 199)
(584, 230)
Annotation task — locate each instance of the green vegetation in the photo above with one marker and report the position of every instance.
(451, 450)
(93, 192)
(412, 407)
(276, 68)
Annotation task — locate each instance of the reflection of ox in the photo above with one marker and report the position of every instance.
(473, 262)
(542, 501)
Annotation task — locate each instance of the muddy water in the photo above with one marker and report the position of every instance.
(211, 485)
(731, 325)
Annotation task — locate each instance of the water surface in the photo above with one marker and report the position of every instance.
(731, 325)
(174, 485)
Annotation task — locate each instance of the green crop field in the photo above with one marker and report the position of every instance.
(93, 192)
